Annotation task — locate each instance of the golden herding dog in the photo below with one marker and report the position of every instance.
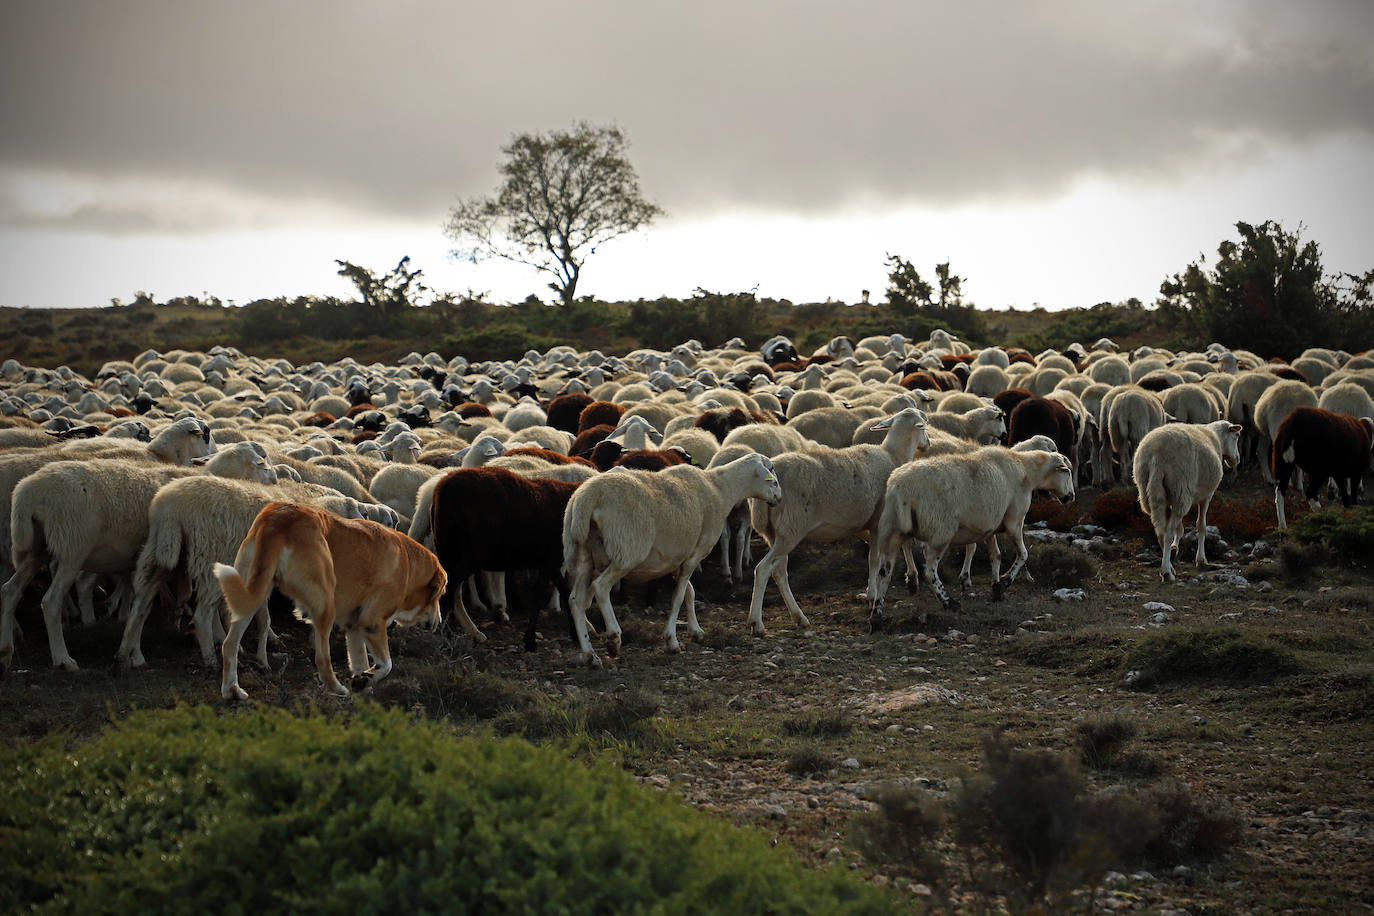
(359, 574)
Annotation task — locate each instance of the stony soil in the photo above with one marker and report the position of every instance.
(731, 720)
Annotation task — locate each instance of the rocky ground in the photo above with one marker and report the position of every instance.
(796, 734)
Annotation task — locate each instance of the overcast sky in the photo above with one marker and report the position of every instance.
(1063, 153)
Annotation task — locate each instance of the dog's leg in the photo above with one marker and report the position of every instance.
(357, 651)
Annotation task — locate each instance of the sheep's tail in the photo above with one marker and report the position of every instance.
(163, 546)
(22, 527)
(243, 596)
(1154, 498)
(577, 528)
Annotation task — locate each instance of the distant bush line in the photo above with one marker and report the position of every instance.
(309, 327)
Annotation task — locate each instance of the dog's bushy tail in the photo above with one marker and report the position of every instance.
(247, 582)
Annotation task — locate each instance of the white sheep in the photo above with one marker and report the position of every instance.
(1177, 470)
(1272, 408)
(833, 426)
(982, 424)
(1193, 403)
(960, 499)
(396, 485)
(1347, 398)
(1132, 412)
(828, 494)
(93, 517)
(1240, 408)
(639, 525)
(194, 523)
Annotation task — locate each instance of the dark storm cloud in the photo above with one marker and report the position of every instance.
(393, 109)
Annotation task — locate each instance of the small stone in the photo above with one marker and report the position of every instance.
(893, 729)
(775, 812)
(1158, 606)
(850, 763)
(921, 890)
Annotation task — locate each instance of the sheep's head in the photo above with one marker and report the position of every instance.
(1058, 478)
(765, 483)
(1230, 445)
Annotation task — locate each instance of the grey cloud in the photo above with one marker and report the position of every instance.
(393, 110)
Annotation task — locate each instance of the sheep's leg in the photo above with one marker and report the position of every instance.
(478, 605)
(1278, 505)
(148, 582)
(578, 602)
(784, 586)
(726, 539)
(461, 612)
(1200, 558)
(966, 573)
(206, 614)
(879, 578)
(762, 573)
(684, 583)
(601, 591)
(933, 558)
(494, 584)
(264, 619)
(229, 657)
(1018, 535)
(1264, 449)
(63, 578)
(995, 567)
(913, 569)
(1166, 546)
(85, 596)
(25, 568)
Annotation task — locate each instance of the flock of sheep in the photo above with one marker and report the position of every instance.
(592, 469)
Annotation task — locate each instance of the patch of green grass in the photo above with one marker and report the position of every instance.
(1213, 655)
(808, 760)
(829, 723)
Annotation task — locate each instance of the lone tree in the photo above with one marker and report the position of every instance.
(562, 195)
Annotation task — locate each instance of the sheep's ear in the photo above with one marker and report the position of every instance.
(1236, 427)
(201, 461)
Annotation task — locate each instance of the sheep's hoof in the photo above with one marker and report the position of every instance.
(757, 630)
(338, 690)
(953, 605)
(233, 692)
(530, 643)
(68, 664)
(913, 583)
(360, 682)
(999, 589)
(672, 645)
(875, 620)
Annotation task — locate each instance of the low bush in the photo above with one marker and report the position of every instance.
(830, 723)
(807, 760)
(1030, 833)
(1060, 566)
(190, 810)
(1347, 532)
(1212, 655)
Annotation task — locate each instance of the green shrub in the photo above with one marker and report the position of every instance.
(807, 760)
(1060, 566)
(905, 829)
(1348, 532)
(189, 810)
(830, 723)
(1189, 829)
(1211, 655)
